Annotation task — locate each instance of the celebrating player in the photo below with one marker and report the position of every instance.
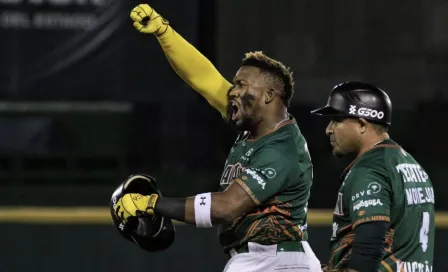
(265, 186)
(384, 215)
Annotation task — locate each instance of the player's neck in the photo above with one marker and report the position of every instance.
(371, 142)
(269, 124)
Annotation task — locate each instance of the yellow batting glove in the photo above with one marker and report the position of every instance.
(148, 21)
(135, 205)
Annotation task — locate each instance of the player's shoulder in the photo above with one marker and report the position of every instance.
(287, 132)
(286, 148)
(375, 163)
(284, 140)
(379, 155)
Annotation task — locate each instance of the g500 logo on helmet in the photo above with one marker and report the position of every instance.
(366, 112)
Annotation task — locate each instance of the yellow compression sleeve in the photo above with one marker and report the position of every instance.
(195, 69)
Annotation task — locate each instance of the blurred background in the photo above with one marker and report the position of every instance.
(86, 101)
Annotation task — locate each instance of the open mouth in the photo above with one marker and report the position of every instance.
(235, 110)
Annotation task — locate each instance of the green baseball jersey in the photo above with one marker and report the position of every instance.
(386, 184)
(276, 173)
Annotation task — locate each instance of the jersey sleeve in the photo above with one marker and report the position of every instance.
(370, 196)
(267, 174)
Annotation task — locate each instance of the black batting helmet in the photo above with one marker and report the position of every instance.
(151, 233)
(358, 99)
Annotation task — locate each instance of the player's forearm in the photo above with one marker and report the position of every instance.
(178, 209)
(173, 208)
(368, 247)
(195, 69)
(221, 211)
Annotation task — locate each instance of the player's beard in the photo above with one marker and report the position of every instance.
(246, 112)
(338, 154)
(344, 150)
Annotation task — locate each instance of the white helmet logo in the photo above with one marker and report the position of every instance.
(352, 109)
(370, 113)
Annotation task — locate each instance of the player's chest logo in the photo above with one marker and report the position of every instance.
(245, 157)
(339, 208)
(230, 172)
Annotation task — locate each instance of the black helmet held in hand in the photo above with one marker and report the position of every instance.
(151, 233)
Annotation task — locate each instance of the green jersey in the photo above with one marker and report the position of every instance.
(386, 184)
(276, 173)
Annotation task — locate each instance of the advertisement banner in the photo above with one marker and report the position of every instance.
(85, 50)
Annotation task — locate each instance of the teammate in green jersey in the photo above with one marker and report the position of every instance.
(265, 186)
(384, 214)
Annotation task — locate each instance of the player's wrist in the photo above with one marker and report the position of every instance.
(162, 26)
(202, 210)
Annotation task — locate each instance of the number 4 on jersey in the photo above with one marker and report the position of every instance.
(424, 231)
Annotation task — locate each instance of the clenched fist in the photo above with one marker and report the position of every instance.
(135, 205)
(148, 21)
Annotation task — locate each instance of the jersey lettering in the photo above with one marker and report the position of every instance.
(414, 267)
(366, 204)
(412, 172)
(420, 195)
(231, 171)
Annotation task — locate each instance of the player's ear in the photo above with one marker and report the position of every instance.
(269, 95)
(362, 125)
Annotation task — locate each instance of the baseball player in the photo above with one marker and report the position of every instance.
(384, 214)
(265, 186)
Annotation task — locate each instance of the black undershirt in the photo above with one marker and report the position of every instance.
(368, 246)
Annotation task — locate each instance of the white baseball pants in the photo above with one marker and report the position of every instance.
(262, 258)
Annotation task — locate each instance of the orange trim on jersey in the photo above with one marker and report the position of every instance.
(275, 202)
(284, 123)
(247, 190)
(299, 231)
(333, 253)
(345, 242)
(390, 240)
(344, 245)
(377, 146)
(389, 269)
(370, 219)
(252, 228)
(295, 228)
(270, 209)
(285, 231)
(393, 258)
(338, 249)
(348, 238)
(346, 227)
